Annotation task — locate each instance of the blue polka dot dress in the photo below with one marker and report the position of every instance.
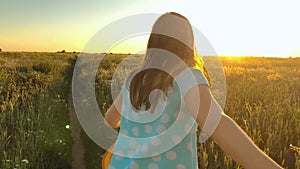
(165, 139)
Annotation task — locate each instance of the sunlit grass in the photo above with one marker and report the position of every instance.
(33, 110)
(263, 97)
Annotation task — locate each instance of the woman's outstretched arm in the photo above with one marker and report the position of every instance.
(227, 134)
(235, 142)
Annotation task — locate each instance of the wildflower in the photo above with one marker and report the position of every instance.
(25, 161)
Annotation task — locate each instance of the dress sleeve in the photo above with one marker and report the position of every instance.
(189, 78)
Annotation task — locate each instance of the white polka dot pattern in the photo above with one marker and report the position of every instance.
(134, 165)
(155, 141)
(156, 158)
(190, 147)
(180, 166)
(153, 166)
(182, 156)
(161, 128)
(135, 131)
(171, 155)
(145, 148)
(176, 139)
(165, 118)
(148, 128)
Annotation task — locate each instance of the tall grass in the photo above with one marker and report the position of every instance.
(33, 110)
(263, 97)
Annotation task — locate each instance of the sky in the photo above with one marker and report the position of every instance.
(233, 27)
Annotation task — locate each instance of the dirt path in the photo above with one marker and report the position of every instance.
(78, 149)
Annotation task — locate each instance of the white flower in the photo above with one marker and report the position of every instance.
(25, 161)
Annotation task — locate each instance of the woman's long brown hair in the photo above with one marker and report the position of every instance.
(149, 79)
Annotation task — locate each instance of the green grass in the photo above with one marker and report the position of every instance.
(263, 97)
(33, 113)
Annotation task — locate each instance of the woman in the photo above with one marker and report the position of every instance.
(183, 92)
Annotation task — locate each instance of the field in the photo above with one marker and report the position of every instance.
(263, 97)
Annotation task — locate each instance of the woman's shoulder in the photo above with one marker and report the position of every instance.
(191, 75)
(188, 78)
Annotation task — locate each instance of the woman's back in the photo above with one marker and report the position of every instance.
(164, 139)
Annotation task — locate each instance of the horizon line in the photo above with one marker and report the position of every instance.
(120, 53)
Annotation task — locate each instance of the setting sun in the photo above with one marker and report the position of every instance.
(183, 84)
